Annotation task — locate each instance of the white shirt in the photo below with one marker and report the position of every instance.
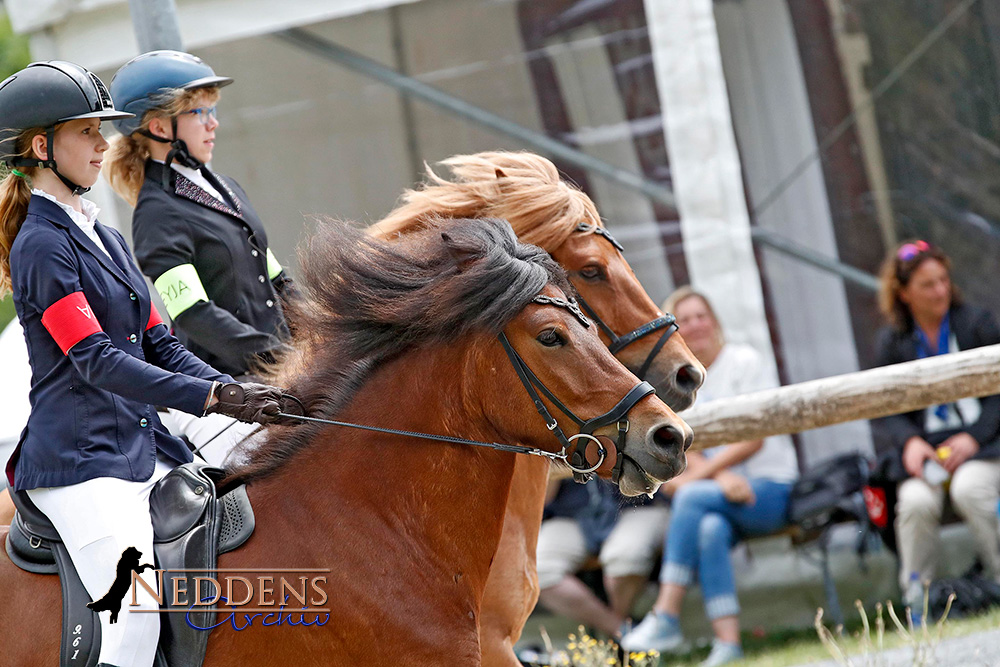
(85, 220)
(960, 414)
(739, 369)
(198, 178)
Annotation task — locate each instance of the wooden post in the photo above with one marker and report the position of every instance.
(889, 390)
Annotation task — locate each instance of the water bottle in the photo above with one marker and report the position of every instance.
(934, 473)
(914, 598)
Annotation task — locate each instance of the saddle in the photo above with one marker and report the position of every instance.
(191, 527)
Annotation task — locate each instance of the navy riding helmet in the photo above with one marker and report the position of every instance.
(148, 81)
(45, 94)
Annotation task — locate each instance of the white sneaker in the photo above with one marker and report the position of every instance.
(656, 632)
(723, 654)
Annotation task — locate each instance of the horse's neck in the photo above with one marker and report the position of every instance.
(395, 500)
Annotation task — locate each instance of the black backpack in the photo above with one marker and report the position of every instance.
(974, 594)
(830, 492)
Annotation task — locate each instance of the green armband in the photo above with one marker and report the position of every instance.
(180, 288)
(273, 268)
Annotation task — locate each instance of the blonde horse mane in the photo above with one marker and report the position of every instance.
(522, 188)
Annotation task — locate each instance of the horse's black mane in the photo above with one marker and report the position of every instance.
(366, 301)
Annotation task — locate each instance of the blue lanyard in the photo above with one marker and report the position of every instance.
(924, 351)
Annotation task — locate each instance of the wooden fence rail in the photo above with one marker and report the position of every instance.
(913, 385)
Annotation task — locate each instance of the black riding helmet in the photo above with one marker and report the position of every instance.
(45, 94)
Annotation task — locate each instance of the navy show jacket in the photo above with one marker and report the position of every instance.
(100, 358)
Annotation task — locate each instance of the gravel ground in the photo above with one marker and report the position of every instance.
(976, 650)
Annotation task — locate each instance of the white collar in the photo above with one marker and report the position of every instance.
(86, 218)
(193, 175)
(197, 177)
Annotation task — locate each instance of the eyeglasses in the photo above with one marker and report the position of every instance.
(908, 251)
(204, 113)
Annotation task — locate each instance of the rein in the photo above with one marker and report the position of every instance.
(576, 461)
(618, 343)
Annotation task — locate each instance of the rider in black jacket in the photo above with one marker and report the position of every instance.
(195, 233)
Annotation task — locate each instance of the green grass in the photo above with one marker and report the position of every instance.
(6, 311)
(784, 649)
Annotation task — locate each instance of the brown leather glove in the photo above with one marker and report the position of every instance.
(248, 402)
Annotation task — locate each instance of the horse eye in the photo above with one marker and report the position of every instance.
(551, 338)
(592, 273)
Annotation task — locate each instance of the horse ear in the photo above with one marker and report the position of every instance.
(501, 175)
(462, 257)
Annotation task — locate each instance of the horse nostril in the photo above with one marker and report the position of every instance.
(668, 437)
(689, 378)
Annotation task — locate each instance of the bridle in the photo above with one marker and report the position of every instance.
(575, 460)
(618, 343)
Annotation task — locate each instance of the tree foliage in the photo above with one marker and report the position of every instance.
(14, 55)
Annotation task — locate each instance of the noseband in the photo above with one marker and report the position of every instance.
(577, 461)
(618, 343)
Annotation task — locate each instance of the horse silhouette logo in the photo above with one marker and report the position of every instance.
(112, 600)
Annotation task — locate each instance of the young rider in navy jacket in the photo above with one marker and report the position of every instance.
(195, 233)
(99, 352)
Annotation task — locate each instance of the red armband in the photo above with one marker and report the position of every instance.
(154, 317)
(69, 320)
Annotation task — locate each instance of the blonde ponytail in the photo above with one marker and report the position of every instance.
(15, 193)
(125, 166)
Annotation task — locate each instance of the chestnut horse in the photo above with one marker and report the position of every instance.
(405, 336)
(544, 210)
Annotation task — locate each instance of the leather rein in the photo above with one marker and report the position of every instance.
(667, 322)
(575, 460)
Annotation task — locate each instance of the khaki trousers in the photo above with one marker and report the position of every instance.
(630, 549)
(974, 493)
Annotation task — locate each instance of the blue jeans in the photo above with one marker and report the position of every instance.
(704, 526)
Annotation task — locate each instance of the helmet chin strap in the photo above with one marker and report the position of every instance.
(50, 163)
(178, 151)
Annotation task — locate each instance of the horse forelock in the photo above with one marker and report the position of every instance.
(366, 301)
(520, 187)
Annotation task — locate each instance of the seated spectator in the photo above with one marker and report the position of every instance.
(926, 317)
(586, 520)
(726, 494)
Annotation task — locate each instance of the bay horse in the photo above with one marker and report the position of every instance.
(402, 335)
(544, 210)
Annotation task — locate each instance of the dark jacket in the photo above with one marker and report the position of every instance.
(972, 327)
(99, 357)
(238, 316)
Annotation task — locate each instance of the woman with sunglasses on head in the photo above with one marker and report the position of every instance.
(959, 441)
(195, 232)
(93, 447)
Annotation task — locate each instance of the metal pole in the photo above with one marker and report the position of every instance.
(788, 247)
(412, 87)
(409, 86)
(156, 25)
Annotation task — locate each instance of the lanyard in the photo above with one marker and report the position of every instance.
(924, 351)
